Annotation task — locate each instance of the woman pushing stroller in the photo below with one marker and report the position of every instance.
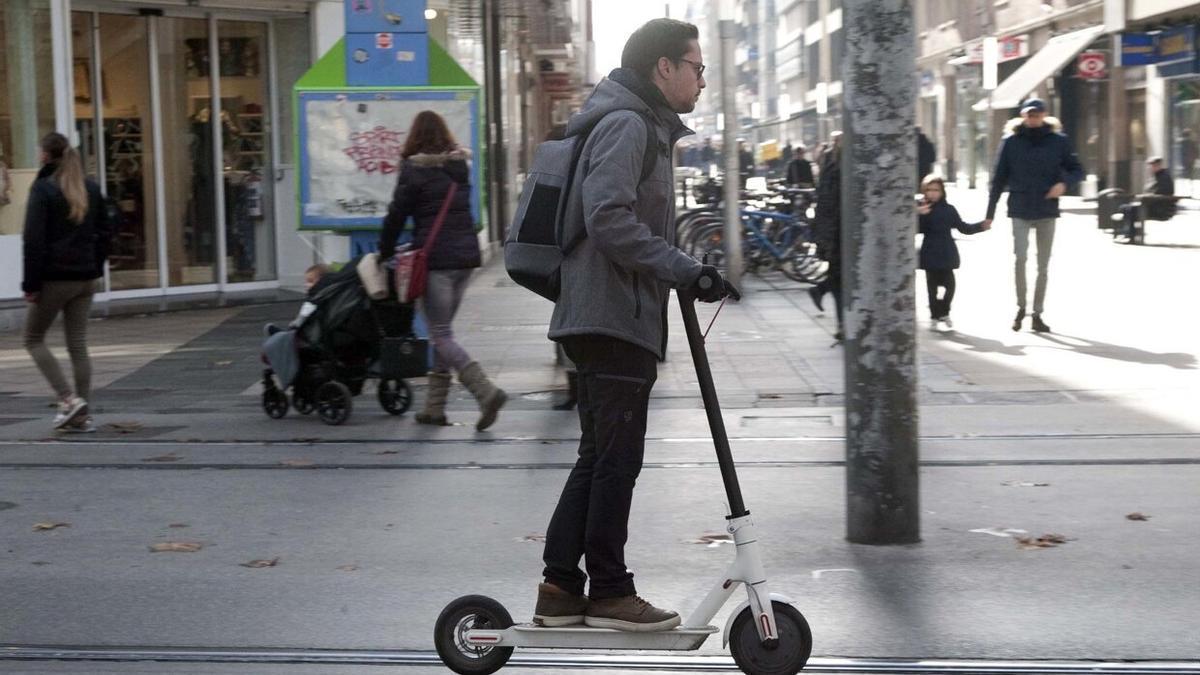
(432, 160)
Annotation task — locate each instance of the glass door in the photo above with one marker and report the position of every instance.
(189, 170)
(118, 132)
(246, 147)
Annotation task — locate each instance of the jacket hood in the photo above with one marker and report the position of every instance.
(454, 162)
(1051, 122)
(624, 89)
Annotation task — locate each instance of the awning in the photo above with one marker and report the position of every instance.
(1043, 64)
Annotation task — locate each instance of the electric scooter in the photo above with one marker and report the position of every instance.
(766, 634)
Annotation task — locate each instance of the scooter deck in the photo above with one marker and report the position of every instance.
(586, 637)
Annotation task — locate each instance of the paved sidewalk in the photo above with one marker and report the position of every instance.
(1064, 433)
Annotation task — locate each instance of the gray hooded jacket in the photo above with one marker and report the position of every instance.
(617, 281)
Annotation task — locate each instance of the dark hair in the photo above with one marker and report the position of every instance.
(655, 39)
(428, 134)
(68, 174)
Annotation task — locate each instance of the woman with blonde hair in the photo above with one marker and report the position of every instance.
(66, 242)
(432, 161)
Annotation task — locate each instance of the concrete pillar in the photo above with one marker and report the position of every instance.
(733, 176)
(949, 112)
(1118, 123)
(879, 261)
(1158, 106)
(22, 94)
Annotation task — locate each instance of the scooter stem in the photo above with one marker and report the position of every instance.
(708, 392)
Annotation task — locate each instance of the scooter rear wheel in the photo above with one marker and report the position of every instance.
(787, 658)
(450, 635)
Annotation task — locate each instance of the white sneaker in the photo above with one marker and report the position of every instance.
(81, 425)
(69, 410)
(946, 320)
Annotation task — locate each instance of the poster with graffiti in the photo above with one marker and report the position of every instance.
(351, 145)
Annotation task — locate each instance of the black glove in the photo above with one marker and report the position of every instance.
(710, 286)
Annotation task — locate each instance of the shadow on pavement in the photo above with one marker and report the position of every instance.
(1178, 360)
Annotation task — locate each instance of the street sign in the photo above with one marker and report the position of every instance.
(1092, 65)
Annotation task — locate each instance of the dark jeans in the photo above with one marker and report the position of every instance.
(592, 517)
(832, 284)
(934, 279)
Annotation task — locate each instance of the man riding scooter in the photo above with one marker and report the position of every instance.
(611, 320)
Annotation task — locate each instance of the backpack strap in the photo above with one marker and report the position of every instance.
(650, 156)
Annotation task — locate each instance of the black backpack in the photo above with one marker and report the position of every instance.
(538, 241)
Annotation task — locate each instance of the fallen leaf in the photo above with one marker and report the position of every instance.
(178, 525)
(997, 532)
(169, 457)
(39, 563)
(711, 539)
(388, 452)
(123, 427)
(222, 363)
(533, 537)
(1044, 541)
(348, 568)
(1137, 515)
(42, 527)
(1018, 483)
(176, 547)
(4, 506)
(297, 462)
(261, 563)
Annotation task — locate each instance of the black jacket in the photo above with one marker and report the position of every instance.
(420, 192)
(1161, 184)
(1028, 164)
(799, 172)
(827, 218)
(938, 250)
(55, 249)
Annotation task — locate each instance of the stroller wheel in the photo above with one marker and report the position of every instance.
(274, 403)
(302, 404)
(334, 402)
(395, 396)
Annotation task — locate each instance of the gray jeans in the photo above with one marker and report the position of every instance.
(443, 292)
(74, 300)
(1044, 231)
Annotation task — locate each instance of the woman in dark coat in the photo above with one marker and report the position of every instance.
(432, 161)
(939, 254)
(827, 228)
(66, 241)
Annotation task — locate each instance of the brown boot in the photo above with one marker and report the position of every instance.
(629, 613)
(490, 397)
(435, 401)
(556, 607)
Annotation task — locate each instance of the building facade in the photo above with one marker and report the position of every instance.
(183, 113)
(1085, 58)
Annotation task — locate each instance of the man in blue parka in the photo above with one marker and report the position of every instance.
(1035, 164)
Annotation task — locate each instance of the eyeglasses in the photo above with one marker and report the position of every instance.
(699, 67)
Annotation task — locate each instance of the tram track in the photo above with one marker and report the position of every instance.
(589, 661)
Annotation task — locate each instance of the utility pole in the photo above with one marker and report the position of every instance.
(879, 261)
(733, 182)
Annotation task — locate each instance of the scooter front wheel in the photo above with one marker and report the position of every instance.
(786, 658)
(450, 635)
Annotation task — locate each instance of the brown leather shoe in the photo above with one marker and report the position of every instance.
(556, 607)
(629, 613)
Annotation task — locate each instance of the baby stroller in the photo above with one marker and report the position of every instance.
(327, 356)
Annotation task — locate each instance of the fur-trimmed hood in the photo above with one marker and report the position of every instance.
(1051, 122)
(441, 158)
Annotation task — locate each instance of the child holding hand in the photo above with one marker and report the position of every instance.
(939, 254)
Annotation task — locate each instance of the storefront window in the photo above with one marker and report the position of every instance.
(26, 102)
(1185, 132)
(189, 172)
(125, 120)
(246, 149)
